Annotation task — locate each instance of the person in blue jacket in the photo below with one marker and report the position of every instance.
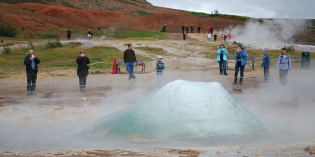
(240, 62)
(265, 64)
(222, 59)
(30, 62)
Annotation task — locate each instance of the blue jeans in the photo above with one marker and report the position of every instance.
(159, 80)
(130, 66)
(222, 67)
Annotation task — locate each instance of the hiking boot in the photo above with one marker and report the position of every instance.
(235, 81)
(241, 81)
(28, 93)
(33, 92)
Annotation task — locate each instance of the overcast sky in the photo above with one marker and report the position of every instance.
(302, 9)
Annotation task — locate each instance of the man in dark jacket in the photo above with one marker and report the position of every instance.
(30, 63)
(199, 28)
(130, 60)
(68, 34)
(83, 69)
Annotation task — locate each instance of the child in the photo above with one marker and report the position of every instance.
(159, 71)
(209, 36)
(265, 63)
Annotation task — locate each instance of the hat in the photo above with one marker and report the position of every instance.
(265, 50)
(159, 57)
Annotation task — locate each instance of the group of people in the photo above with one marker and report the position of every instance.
(31, 64)
(283, 63)
(69, 33)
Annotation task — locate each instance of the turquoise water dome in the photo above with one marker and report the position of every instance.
(182, 108)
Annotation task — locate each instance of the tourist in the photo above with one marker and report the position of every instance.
(90, 34)
(208, 29)
(159, 71)
(130, 60)
(199, 28)
(187, 28)
(68, 34)
(225, 36)
(222, 59)
(183, 28)
(31, 66)
(284, 65)
(214, 37)
(209, 37)
(164, 28)
(265, 64)
(240, 62)
(192, 28)
(229, 36)
(83, 70)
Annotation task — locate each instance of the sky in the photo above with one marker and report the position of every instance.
(301, 9)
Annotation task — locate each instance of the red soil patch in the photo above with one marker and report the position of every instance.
(57, 17)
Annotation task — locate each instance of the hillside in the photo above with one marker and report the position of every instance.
(37, 18)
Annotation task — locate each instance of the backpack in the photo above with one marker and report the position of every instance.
(160, 66)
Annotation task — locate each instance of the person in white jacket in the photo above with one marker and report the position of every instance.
(284, 65)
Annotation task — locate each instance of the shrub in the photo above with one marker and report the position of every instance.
(30, 45)
(50, 36)
(7, 30)
(54, 44)
(290, 48)
(7, 50)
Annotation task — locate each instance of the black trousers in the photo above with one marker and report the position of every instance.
(239, 67)
(82, 82)
(31, 81)
(266, 73)
(283, 75)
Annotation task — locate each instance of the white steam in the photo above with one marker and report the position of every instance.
(268, 31)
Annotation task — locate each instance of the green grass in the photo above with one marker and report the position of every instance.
(219, 15)
(49, 36)
(61, 58)
(143, 13)
(143, 35)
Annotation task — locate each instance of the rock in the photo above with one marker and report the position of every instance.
(310, 149)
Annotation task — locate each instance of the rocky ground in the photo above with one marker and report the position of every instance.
(58, 96)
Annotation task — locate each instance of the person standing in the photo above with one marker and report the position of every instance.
(192, 28)
(229, 36)
(284, 65)
(265, 64)
(130, 60)
(225, 36)
(83, 70)
(187, 28)
(199, 28)
(222, 59)
(159, 71)
(31, 67)
(68, 34)
(214, 37)
(209, 37)
(208, 29)
(90, 34)
(241, 60)
(183, 28)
